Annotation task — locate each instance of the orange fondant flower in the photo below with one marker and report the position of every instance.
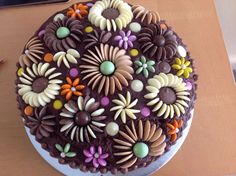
(78, 11)
(72, 88)
(173, 129)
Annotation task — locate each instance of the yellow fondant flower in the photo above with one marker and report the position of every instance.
(183, 67)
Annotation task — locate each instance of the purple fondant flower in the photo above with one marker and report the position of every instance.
(98, 158)
(125, 39)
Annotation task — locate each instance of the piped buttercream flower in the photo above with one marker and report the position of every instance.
(125, 39)
(158, 43)
(77, 11)
(32, 52)
(110, 14)
(124, 107)
(144, 66)
(182, 67)
(39, 85)
(80, 119)
(107, 68)
(138, 142)
(168, 95)
(72, 88)
(96, 157)
(66, 57)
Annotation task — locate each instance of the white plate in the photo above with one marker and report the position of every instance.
(68, 171)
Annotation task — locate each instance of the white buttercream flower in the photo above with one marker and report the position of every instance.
(38, 85)
(110, 14)
(66, 57)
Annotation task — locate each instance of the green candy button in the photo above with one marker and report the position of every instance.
(140, 150)
(63, 32)
(107, 68)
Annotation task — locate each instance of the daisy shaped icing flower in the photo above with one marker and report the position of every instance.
(107, 68)
(173, 129)
(182, 67)
(65, 151)
(138, 142)
(124, 107)
(168, 95)
(77, 11)
(66, 57)
(72, 88)
(145, 66)
(96, 157)
(110, 14)
(125, 39)
(80, 120)
(39, 85)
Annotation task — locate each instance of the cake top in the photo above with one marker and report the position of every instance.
(106, 86)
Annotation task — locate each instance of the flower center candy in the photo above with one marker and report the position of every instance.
(73, 89)
(62, 32)
(183, 66)
(82, 118)
(77, 11)
(159, 40)
(107, 68)
(110, 13)
(141, 150)
(167, 95)
(96, 155)
(40, 84)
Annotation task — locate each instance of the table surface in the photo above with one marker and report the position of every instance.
(210, 147)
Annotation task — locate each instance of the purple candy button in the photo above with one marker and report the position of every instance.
(41, 33)
(189, 85)
(145, 111)
(74, 72)
(89, 4)
(105, 101)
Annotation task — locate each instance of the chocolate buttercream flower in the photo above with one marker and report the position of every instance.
(40, 123)
(144, 66)
(157, 43)
(70, 56)
(39, 85)
(168, 95)
(124, 107)
(77, 11)
(183, 67)
(145, 15)
(136, 143)
(109, 15)
(96, 37)
(81, 119)
(107, 68)
(63, 34)
(125, 39)
(32, 52)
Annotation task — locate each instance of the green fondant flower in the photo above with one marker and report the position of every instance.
(144, 66)
(182, 67)
(65, 151)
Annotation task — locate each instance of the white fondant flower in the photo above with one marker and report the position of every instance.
(169, 101)
(66, 57)
(124, 107)
(122, 17)
(38, 85)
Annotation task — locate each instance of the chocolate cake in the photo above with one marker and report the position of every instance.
(106, 86)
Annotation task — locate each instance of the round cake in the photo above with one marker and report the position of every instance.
(105, 86)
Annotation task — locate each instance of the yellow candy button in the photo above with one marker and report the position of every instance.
(20, 71)
(134, 52)
(57, 104)
(88, 29)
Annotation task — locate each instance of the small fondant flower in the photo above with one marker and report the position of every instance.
(173, 129)
(124, 107)
(78, 11)
(38, 85)
(183, 67)
(72, 88)
(137, 142)
(109, 15)
(125, 39)
(66, 57)
(98, 158)
(144, 66)
(65, 152)
(167, 94)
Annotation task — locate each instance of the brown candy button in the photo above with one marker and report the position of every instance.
(110, 13)
(82, 118)
(164, 67)
(40, 84)
(159, 40)
(167, 95)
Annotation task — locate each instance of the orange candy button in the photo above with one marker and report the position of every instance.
(48, 57)
(28, 110)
